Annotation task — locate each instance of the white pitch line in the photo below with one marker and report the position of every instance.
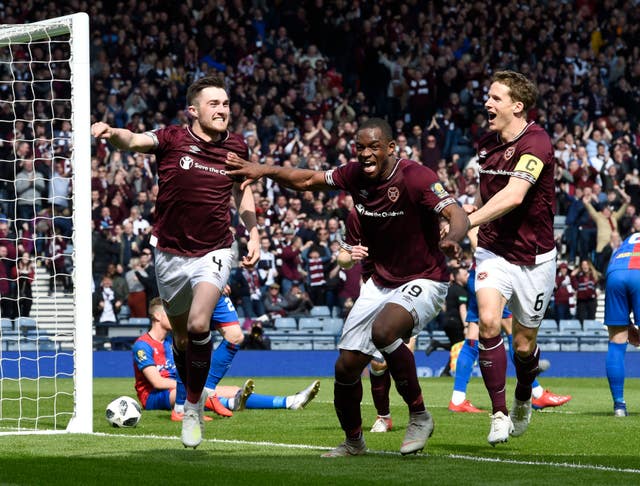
(567, 465)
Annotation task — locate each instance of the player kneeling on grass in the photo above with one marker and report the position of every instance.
(156, 378)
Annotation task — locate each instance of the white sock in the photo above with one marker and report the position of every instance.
(209, 391)
(178, 408)
(537, 391)
(289, 401)
(457, 397)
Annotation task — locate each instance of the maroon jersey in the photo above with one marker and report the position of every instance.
(526, 231)
(399, 220)
(192, 210)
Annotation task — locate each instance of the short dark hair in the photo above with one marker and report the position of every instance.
(521, 88)
(206, 82)
(383, 125)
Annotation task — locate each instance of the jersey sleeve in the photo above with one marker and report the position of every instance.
(162, 137)
(143, 355)
(352, 234)
(425, 189)
(343, 177)
(534, 156)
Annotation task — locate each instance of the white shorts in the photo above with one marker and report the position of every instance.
(528, 289)
(178, 275)
(422, 298)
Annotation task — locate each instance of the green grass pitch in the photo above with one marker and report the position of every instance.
(580, 443)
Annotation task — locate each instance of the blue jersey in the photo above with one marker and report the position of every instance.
(623, 283)
(627, 257)
(225, 313)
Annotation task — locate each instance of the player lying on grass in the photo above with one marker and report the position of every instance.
(156, 377)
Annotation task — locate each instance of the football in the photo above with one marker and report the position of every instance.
(123, 412)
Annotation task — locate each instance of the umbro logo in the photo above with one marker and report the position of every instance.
(194, 149)
(364, 193)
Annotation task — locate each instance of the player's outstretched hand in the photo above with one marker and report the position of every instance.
(451, 248)
(240, 167)
(253, 254)
(101, 130)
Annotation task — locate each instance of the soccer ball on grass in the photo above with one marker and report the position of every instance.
(123, 412)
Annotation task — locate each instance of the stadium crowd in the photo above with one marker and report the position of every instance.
(302, 76)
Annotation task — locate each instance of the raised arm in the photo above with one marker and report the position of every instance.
(502, 202)
(299, 179)
(247, 208)
(121, 138)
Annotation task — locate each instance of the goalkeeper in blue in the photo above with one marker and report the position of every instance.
(621, 298)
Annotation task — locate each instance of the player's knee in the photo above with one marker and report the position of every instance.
(346, 371)
(198, 326)
(236, 338)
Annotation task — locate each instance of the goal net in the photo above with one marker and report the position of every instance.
(45, 231)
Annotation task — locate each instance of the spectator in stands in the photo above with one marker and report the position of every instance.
(118, 282)
(140, 225)
(24, 272)
(147, 275)
(7, 306)
(291, 269)
(266, 265)
(274, 303)
(137, 297)
(30, 190)
(563, 293)
(105, 307)
(129, 245)
(56, 263)
(585, 279)
(315, 269)
(60, 189)
(297, 300)
(606, 222)
(105, 251)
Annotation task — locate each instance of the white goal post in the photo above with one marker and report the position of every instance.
(46, 363)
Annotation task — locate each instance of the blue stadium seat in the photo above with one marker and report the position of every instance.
(333, 325)
(310, 323)
(25, 324)
(125, 312)
(593, 325)
(569, 325)
(285, 323)
(320, 310)
(139, 321)
(6, 324)
(548, 325)
(289, 344)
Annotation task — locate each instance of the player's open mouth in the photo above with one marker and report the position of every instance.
(369, 167)
(491, 116)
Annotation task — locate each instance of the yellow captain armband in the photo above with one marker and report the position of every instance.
(530, 164)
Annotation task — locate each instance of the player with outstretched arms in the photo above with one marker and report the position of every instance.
(191, 235)
(399, 203)
(515, 258)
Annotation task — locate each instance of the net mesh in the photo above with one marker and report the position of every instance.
(36, 227)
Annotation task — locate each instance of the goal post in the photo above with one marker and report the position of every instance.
(47, 388)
